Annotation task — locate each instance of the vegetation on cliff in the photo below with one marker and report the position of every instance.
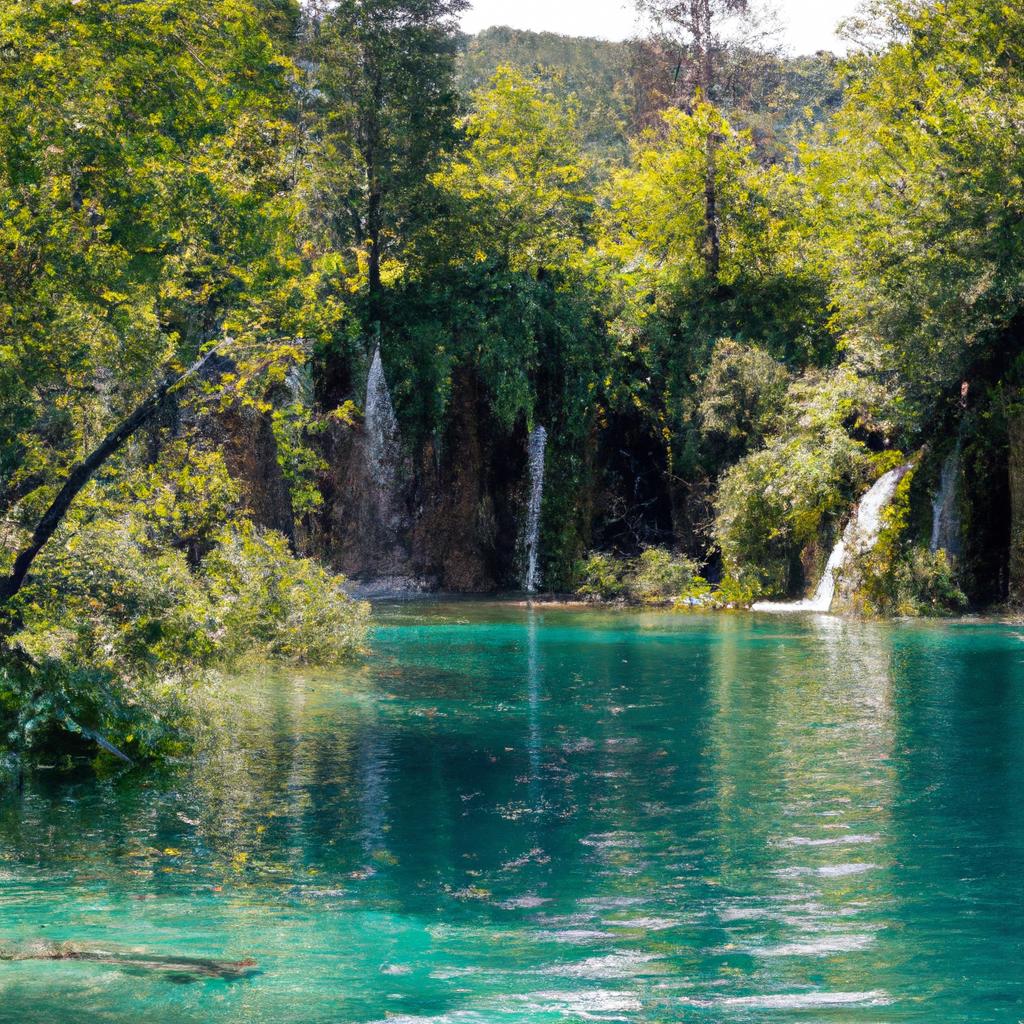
(734, 286)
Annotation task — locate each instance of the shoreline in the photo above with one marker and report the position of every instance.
(569, 602)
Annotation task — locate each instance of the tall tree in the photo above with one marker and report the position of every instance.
(520, 181)
(145, 216)
(694, 30)
(919, 183)
(384, 79)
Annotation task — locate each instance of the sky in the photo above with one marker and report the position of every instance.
(809, 25)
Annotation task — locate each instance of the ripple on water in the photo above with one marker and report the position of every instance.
(826, 870)
(524, 902)
(793, 1000)
(824, 945)
(574, 935)
(844, 840)
(593, 1004)
(599, 968)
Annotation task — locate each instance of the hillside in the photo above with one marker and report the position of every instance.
(620, 86)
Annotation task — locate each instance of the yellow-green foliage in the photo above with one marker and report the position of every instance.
(268, 603)
(781, 498)
(654, 209)
(899, 577)
(521, 179)
(119, 634)
(656, 577)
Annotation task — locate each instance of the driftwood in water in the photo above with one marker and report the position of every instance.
(198, 967)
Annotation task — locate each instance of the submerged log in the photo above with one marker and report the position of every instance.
(193, 967)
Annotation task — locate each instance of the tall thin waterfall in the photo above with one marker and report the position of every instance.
(383, 447)
(536, 447)
(861, 535)
(945, 515)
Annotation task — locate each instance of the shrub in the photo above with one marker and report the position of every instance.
(119, 638)
(913, 582)
(897, 576)
(741, 399)
(657, 576)
(113, 640)
(774, 502)
(269, 603)
(602, 576)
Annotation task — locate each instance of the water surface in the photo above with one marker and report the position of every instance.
(538, 816)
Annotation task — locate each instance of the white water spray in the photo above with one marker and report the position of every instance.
(536, 447)
(945, 515)
(861, 535)
(383, 447)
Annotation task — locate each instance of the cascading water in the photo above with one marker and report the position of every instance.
(383, 447)
(945, 515)
(536, 448)
(861, 534)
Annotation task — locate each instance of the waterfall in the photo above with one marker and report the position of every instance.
(945, 515)
(536, 447)
(382, 439)
(861, 535)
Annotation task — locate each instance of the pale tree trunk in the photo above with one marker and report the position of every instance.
(701, 27)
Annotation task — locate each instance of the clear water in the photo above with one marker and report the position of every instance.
(561, 816)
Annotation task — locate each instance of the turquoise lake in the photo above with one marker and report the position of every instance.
(512, 815)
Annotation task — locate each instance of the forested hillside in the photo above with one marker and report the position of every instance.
(619, 89)
(288, 292)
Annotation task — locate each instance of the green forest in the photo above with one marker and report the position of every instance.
(304, 304)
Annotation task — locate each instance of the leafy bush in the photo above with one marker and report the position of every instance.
(119, 637)
(898, 576)
(602, 576)
(741, 398)
(113, 640)
(657, 576)
(912, 582)
(268, 603)
(776, 501)
(182, 500)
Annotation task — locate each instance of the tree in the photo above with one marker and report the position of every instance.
(768, 289)
(520, 180)
(383, 83)
(919, 185)
(656, 221)
(694, 28)
(145, 220)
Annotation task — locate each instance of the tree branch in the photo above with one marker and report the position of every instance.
(82, 472)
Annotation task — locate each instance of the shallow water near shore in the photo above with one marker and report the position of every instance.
(537, 815)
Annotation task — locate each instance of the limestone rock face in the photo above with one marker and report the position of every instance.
(447, 518)
(1016, 465)
(246, 439)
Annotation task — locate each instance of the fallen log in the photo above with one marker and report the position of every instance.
(190, 966)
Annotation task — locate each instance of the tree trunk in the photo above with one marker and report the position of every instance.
(81, 473)
(373, 222)
(1016, 461)
(712, 242)
(705, 41)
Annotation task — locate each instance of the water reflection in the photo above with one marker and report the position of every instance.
(534, 815)
(800, 761)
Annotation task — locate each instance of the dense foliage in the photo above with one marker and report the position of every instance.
(735, 288)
